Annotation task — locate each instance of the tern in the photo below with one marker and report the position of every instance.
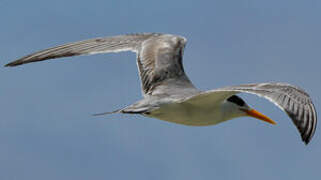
(169, 95)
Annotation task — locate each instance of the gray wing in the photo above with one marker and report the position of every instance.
(159, 56)
(293, 100)
(120, 43)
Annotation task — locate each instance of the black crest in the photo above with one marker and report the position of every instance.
(236, 100)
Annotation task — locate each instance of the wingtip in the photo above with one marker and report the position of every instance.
(306, 141)
(12, 64)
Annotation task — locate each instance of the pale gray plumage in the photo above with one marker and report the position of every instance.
(167, 89)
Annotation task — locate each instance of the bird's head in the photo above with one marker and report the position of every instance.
(235, 107)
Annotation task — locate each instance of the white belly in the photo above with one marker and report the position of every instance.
(189, 114)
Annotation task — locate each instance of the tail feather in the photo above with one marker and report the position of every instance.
(107, 113)
(127, 110)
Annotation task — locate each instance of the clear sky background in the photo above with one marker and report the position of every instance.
(46, 127)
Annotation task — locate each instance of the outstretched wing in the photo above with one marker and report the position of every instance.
(159, 57)
(293, 100)
(121, 43)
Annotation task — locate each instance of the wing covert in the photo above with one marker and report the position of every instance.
(160, 61)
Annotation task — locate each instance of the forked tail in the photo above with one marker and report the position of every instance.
(106, 113)
(127, 110)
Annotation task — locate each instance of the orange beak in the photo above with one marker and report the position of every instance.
(256, 114)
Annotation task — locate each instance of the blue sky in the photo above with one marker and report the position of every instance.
(46, 127)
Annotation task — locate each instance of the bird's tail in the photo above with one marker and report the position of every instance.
(127, 110)
(107, 113)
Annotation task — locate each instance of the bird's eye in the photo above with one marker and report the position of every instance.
(236, 100)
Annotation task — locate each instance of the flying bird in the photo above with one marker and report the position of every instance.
(169, 95)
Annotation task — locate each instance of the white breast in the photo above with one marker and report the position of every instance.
(189, 114)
